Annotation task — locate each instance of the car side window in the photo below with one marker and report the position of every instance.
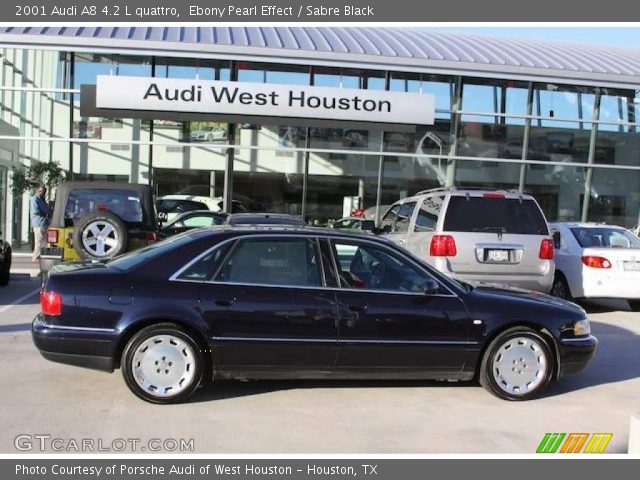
(404, 217)
(370, 267)
(389, 220)
(557, 241)
(203, 269)
(427, 218)
(273, 261)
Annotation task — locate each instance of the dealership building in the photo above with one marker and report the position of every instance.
(319, 121)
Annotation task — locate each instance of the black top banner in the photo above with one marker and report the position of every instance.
(243, 11)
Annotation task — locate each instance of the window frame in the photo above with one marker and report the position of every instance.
(393, 254)
(248, 238)
(448, 291)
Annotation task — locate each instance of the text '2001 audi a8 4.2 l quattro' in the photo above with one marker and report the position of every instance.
(297, 302)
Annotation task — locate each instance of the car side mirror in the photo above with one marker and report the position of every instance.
(431, 287)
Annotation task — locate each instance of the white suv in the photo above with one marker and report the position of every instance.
(499, 237)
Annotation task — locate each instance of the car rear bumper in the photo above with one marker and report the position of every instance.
(82, 347)
(605, 285)
(576, 354)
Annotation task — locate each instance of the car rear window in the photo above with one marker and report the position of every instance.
(504, 215)
(135, 258)
(605, 237)
(126, 204)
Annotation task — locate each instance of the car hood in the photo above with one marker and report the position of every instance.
(520, 295)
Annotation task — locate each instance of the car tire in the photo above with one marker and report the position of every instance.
(96, 222)
(635, 305)
(517, 365)
(560, 287)
(162, 364)
(5, 269)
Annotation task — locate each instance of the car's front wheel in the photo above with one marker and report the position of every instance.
(162, 364)
(517, 365)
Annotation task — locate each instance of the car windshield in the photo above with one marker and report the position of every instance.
(135, 258)
(604, 237)
(494, 215)
(126, 204)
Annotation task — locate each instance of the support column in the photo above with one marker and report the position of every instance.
(525, 139)
(591, 159)
(227, 200)
(455, 126)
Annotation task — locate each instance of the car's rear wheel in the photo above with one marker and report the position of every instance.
(100, 235)
(560, 287)
(634, 304)
(517, 365)
(5, 269)
(162, 364)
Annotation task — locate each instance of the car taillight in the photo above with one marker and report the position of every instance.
(443, 246)
(546, 249)
(596, 262)
(152, 237)
(50, 303)
(52, 235)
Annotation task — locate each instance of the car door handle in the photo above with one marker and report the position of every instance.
(356, 307)
(225, 302)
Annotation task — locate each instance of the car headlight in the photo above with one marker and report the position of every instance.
(582, 327)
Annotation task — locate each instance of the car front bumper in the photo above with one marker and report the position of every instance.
(83, 347)
(575, 354)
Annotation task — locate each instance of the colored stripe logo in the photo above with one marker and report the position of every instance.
(574, 443)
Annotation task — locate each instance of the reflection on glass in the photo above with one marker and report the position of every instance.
(492, 136)
(489, 175)
(615, 197)
(557, 189)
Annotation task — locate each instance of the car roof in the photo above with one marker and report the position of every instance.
(584, 225)
(264, 219)
(246, 230)
(466, 192)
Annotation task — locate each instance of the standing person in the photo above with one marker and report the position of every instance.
(39, 220)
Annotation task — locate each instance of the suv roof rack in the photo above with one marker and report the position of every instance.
(457, 188)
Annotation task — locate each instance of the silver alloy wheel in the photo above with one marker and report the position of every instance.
(520, 365)
(163, 365)
(99, 238)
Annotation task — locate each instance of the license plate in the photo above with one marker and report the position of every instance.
(632, 266)
(498, 256)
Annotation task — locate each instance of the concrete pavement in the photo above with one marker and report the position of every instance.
(41, 397)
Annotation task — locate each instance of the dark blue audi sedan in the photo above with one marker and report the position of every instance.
(297, 302)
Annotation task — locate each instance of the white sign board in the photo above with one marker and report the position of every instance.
(263, 99)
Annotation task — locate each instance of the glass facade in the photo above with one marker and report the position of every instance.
(575, 148)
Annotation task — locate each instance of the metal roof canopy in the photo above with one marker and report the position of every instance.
(378, 48)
